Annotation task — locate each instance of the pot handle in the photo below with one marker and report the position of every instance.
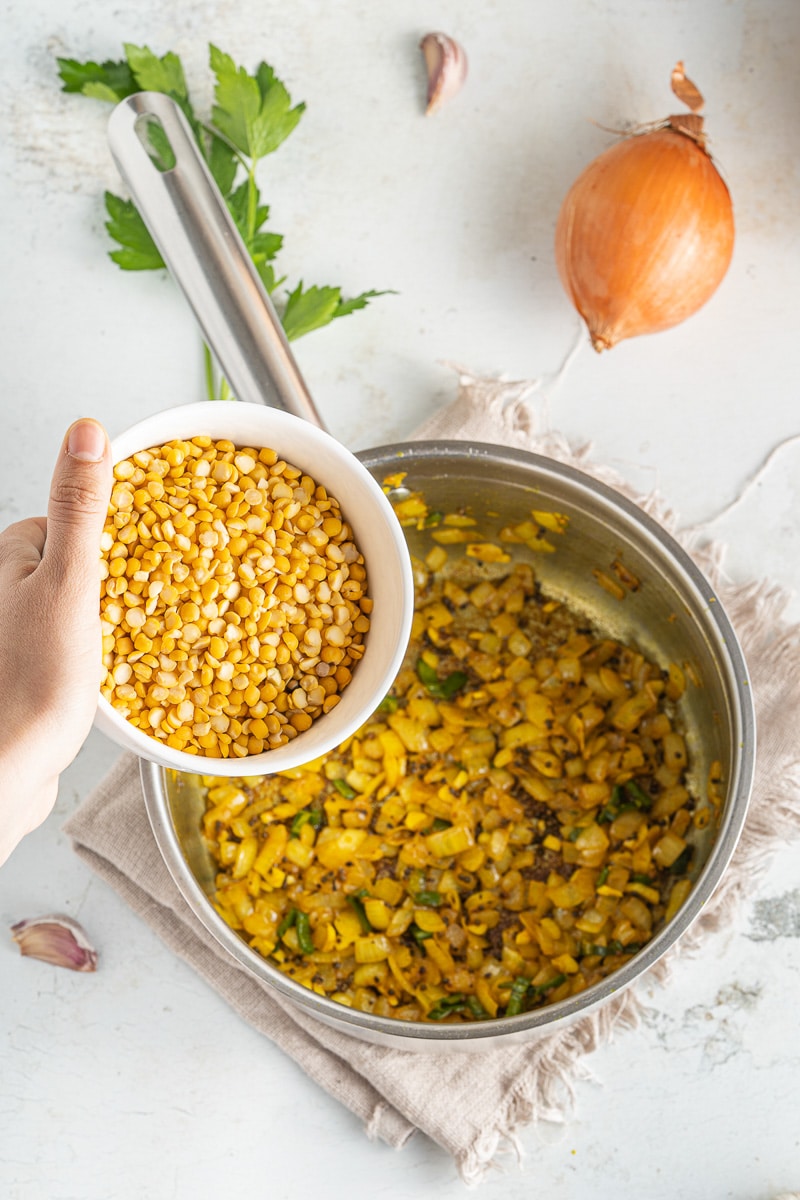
(155, 150)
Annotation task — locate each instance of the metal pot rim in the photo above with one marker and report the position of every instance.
(545, 1019)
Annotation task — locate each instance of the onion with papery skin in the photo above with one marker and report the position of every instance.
(645, 234)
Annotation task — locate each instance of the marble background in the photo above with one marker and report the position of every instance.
(137, 1081)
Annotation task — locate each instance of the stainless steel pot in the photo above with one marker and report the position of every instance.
(673, 616)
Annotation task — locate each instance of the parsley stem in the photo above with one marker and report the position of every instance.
(213, 132)
(252, 203)
(208, 362)
(214, 390)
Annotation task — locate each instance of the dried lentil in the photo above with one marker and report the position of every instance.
(233, 600)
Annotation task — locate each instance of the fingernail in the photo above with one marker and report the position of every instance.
(86, 441)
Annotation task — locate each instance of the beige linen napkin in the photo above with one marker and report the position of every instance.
(470, 1104)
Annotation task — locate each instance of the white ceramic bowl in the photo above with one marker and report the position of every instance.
(377, 534)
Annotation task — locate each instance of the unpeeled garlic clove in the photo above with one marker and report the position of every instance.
(55, 939)
(446, 64)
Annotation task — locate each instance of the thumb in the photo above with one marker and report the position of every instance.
(79, 494)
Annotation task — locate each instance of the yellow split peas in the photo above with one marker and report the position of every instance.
(508, 828)
(233, 599)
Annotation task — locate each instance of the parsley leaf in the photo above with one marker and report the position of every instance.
(154, 74)
(223, 163)
(309, 309)
(317, 306)
(159, 146)
(348, 306)
(264, 246)
(139, 252)
(111, 81)
(268, 277)
(253, 111)
(251, 117)
(246, 210)
(250, 216)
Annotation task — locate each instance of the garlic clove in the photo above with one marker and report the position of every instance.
(55, 939)
(446, 64)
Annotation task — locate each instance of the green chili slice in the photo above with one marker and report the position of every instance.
(517, 996)
(540, 988)
(287, 922)
(681, 863)
(343, 787)
(442, 689)
(306, 816)
(476, 1008)
(303, 927)
(637, 796)
(447, 1006)
(617, 804)
(593, 950)
(357, 906)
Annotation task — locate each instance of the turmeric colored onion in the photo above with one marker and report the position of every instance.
(645, 236)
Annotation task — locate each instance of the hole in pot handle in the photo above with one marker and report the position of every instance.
(153, 136)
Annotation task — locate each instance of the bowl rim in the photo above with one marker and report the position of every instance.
(215, 415)
(719, 630)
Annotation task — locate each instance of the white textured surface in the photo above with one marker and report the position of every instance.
(137, 1081)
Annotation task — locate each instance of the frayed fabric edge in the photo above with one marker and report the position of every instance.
(385, 1124)
(504, 405)
(545, 1090)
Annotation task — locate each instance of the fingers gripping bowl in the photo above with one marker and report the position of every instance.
(671, 615)
(377, 550)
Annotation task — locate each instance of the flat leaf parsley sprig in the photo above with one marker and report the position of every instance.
(251, 117)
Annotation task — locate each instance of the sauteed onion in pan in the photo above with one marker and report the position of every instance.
(509, 827)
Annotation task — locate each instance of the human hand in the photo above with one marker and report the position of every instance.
(50, 644)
